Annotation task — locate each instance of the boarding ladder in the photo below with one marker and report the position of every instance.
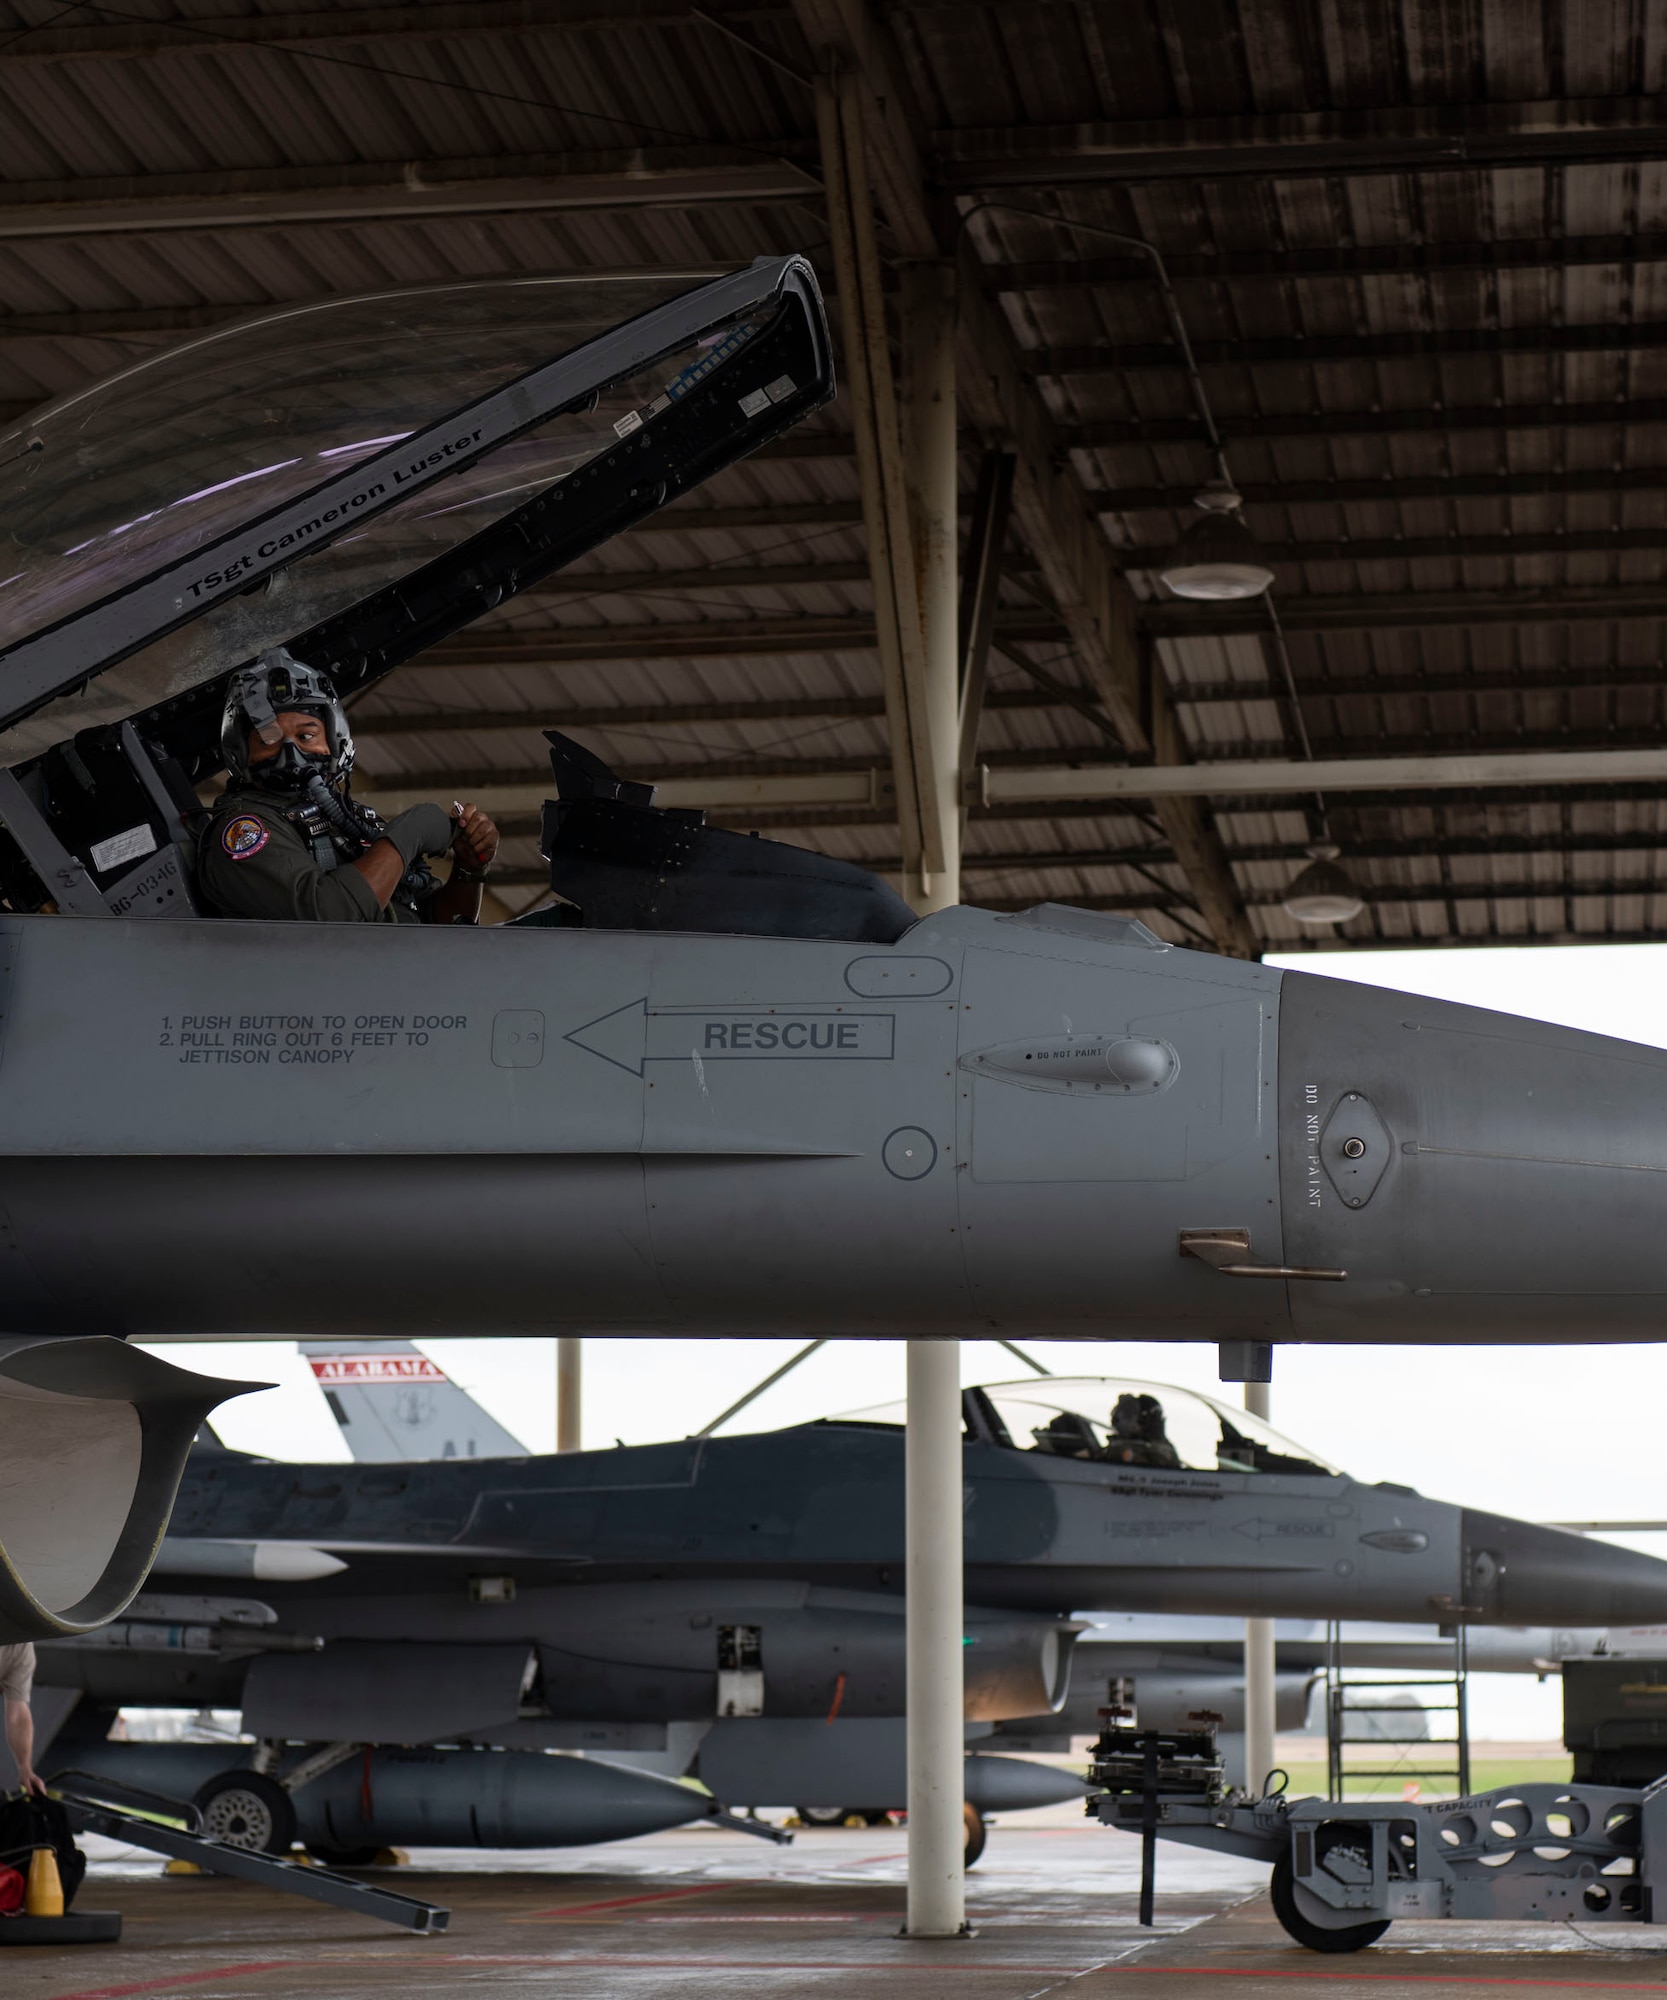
(1350, 1702)
(174, 1827)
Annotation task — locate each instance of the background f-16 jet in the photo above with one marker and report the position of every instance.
(731, 1607)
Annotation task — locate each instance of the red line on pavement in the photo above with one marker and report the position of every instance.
(1395, 1978)
(729, 1967)
(179, 1979)
(625, 1902)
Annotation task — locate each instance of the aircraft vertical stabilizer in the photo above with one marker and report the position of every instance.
(393, 1403)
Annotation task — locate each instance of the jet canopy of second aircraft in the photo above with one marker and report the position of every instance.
(1121, 1422)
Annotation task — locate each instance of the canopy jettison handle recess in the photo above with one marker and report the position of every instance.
(1225, 1250)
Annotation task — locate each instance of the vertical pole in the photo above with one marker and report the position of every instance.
(569, 1405)
(927, 304)
(1461, 1704)
(871, 392)
(936, 1729)
(1260, 1660)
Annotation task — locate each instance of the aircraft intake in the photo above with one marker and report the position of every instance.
(113, 1424)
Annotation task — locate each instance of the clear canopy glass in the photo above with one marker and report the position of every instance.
(112, 484)
(1207, 1436)
(148, 464)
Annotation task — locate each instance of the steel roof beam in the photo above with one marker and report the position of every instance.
(1394, 489)
(379, 191)
(304, 29)
(1601, 679)
(1520, 890)
(833, 708)
(716, 638)
(1618, 414)
(1359, 260)
(1276, 777)
(1144, 558)
(1571, 680)
(1110, 357)
(707, 576)
(1245, 853)
(1457, 547)
(809, 819)
(1143, 896)
(1411, 609)
(1023, 781)
(1158, 855)
(1438, 138)
(1455, 940)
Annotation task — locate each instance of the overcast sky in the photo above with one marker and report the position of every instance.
(1545, 1433)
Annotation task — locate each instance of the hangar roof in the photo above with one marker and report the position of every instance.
(1419, 252)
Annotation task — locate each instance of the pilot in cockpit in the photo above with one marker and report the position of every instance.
(286, 839)
(1138, 1436)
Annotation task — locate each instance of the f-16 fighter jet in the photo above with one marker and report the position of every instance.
(732, 1605)
(721, 1085)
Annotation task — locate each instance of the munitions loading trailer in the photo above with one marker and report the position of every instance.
(1345, 1869)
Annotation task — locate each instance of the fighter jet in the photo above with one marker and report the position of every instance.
(721, 1085)
(731, 1607)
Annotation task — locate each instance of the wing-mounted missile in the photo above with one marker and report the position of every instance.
(94, 1436)
(622, 864)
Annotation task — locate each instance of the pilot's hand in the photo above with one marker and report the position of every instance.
(420, 830)
(475, 845)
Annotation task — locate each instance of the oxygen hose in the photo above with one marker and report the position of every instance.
(366, 828)
(363, 827)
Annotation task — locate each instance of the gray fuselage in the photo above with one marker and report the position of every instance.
(997, 1124)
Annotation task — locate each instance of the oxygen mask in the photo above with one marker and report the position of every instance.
(291, 769)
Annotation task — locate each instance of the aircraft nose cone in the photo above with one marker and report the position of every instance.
(1478, 1177)
(1519, 1573)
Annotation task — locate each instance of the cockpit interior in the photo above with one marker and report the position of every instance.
(1110, 1420)
(354, 480)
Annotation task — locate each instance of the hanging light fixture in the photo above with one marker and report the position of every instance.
(1323, 893)
(1217, 559)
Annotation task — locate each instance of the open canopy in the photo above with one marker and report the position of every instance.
(356, 478)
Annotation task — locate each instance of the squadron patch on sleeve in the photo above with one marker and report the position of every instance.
(242, 838)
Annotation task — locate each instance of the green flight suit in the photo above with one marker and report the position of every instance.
(254, 862)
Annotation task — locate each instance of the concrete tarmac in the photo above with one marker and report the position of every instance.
(695, 1911)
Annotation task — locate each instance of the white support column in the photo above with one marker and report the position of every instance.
(569, 1393)
(927, 304)
(905, 448)
(1260, 1659)
(937, 1736)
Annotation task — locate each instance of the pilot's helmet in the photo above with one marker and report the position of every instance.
(256, 696)
(1126, 1416)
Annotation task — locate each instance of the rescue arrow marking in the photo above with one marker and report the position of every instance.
(631, 1036)
(1259, 1530)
